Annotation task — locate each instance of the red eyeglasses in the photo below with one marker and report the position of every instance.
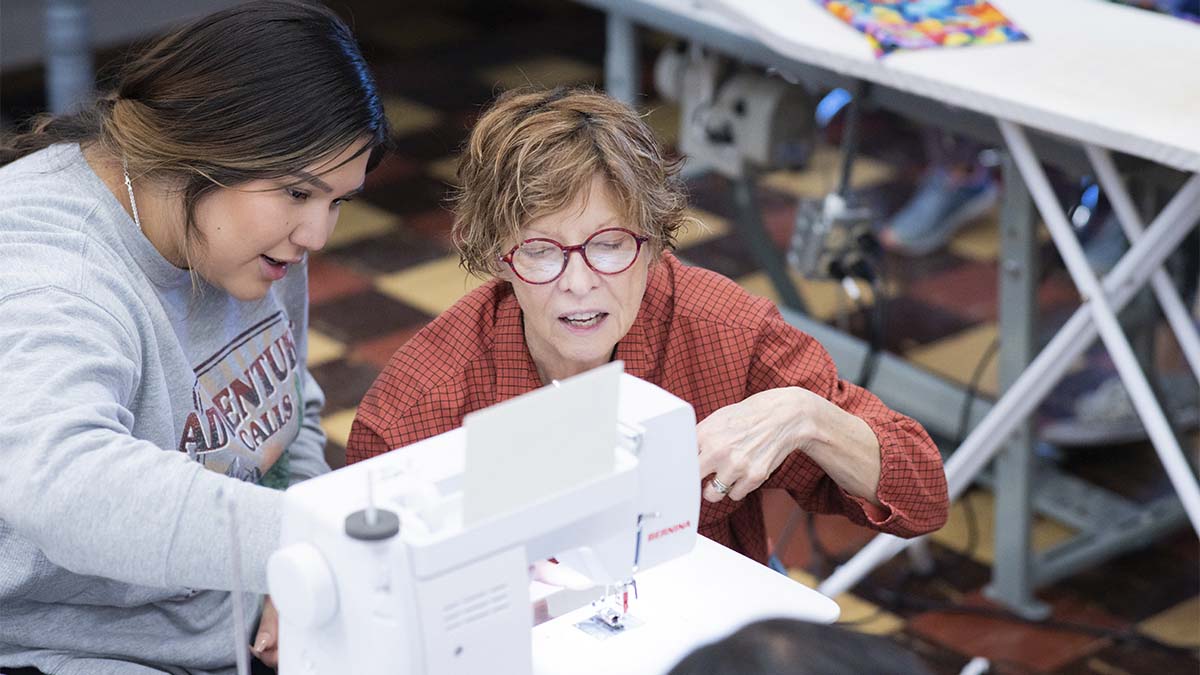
(540, 260)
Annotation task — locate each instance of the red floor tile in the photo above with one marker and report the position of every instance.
(1040, 648)
(344, 383)
(434, 223)
(393, 168)
(328, 280)
(365, 316)
(968, 289)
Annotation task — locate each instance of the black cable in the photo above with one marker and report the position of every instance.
(969, 398)
(972, 526)
(823, 558)
(964, 420)
(905, 580)
(853, 265)
(875, 330)
(972, 392)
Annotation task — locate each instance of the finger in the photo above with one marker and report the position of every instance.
(756, 474)
(712, 494)
(708, 447)
(708, 459)
(270, 658)
(748, 483)
(263, 642)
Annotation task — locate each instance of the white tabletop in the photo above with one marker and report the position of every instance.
(683, 603)
(1093, 71)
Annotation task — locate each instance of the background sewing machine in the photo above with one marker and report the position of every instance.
(417, 561)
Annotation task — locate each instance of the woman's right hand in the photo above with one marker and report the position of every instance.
(266, 642)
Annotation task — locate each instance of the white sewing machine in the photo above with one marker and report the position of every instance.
(417, 561)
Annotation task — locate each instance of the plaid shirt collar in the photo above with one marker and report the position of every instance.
(639, 349)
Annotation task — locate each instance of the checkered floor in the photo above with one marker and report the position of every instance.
(389, 269)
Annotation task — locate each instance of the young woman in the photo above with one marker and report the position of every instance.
(153, 310)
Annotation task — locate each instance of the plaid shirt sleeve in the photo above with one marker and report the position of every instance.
(912, 482)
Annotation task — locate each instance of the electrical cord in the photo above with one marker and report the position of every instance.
(845, 268)
(875, 332)
(964, 420)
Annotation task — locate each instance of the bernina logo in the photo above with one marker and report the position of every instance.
(669, 530)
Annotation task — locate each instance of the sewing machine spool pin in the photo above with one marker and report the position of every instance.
(372, 523)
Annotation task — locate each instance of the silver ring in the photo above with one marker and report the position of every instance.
(719, 486)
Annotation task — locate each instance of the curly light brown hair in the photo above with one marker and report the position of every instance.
(533, 152)
(255, 91)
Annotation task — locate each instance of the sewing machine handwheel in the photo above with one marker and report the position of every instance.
(302, 586)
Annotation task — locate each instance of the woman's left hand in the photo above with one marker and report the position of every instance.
(743, 444)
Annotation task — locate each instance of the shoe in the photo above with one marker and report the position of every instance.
(937, 211)
(1105, 415)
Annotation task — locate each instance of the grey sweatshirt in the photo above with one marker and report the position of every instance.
(135, 406)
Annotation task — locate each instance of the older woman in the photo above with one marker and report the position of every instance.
(569, 203)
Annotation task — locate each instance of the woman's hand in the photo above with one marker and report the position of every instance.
(743, 444)
(266, 643)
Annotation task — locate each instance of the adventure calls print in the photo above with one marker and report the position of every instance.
(247, 402)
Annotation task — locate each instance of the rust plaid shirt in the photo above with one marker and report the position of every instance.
(701, 337)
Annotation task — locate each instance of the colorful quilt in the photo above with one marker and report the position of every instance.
(919, 24)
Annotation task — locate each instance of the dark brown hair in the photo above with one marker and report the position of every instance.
(256, 91)
(791, 647)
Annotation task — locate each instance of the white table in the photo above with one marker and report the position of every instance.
(1101, 76)
(684, 604)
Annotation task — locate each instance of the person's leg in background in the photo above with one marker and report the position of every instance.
(956, 188)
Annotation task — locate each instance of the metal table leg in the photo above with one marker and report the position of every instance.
(1161, 435)
(1146, 255)
(1012, 570)
(765, 252)
(1172, 305)
(70, 76)
(622, 68)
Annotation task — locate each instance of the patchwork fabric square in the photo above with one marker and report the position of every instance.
(891, 25)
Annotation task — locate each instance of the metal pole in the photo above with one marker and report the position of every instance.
(1012, 573)
(1146, 255)
(1144, 401)
(1172, 305)
(622, 67)
(69, 71)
